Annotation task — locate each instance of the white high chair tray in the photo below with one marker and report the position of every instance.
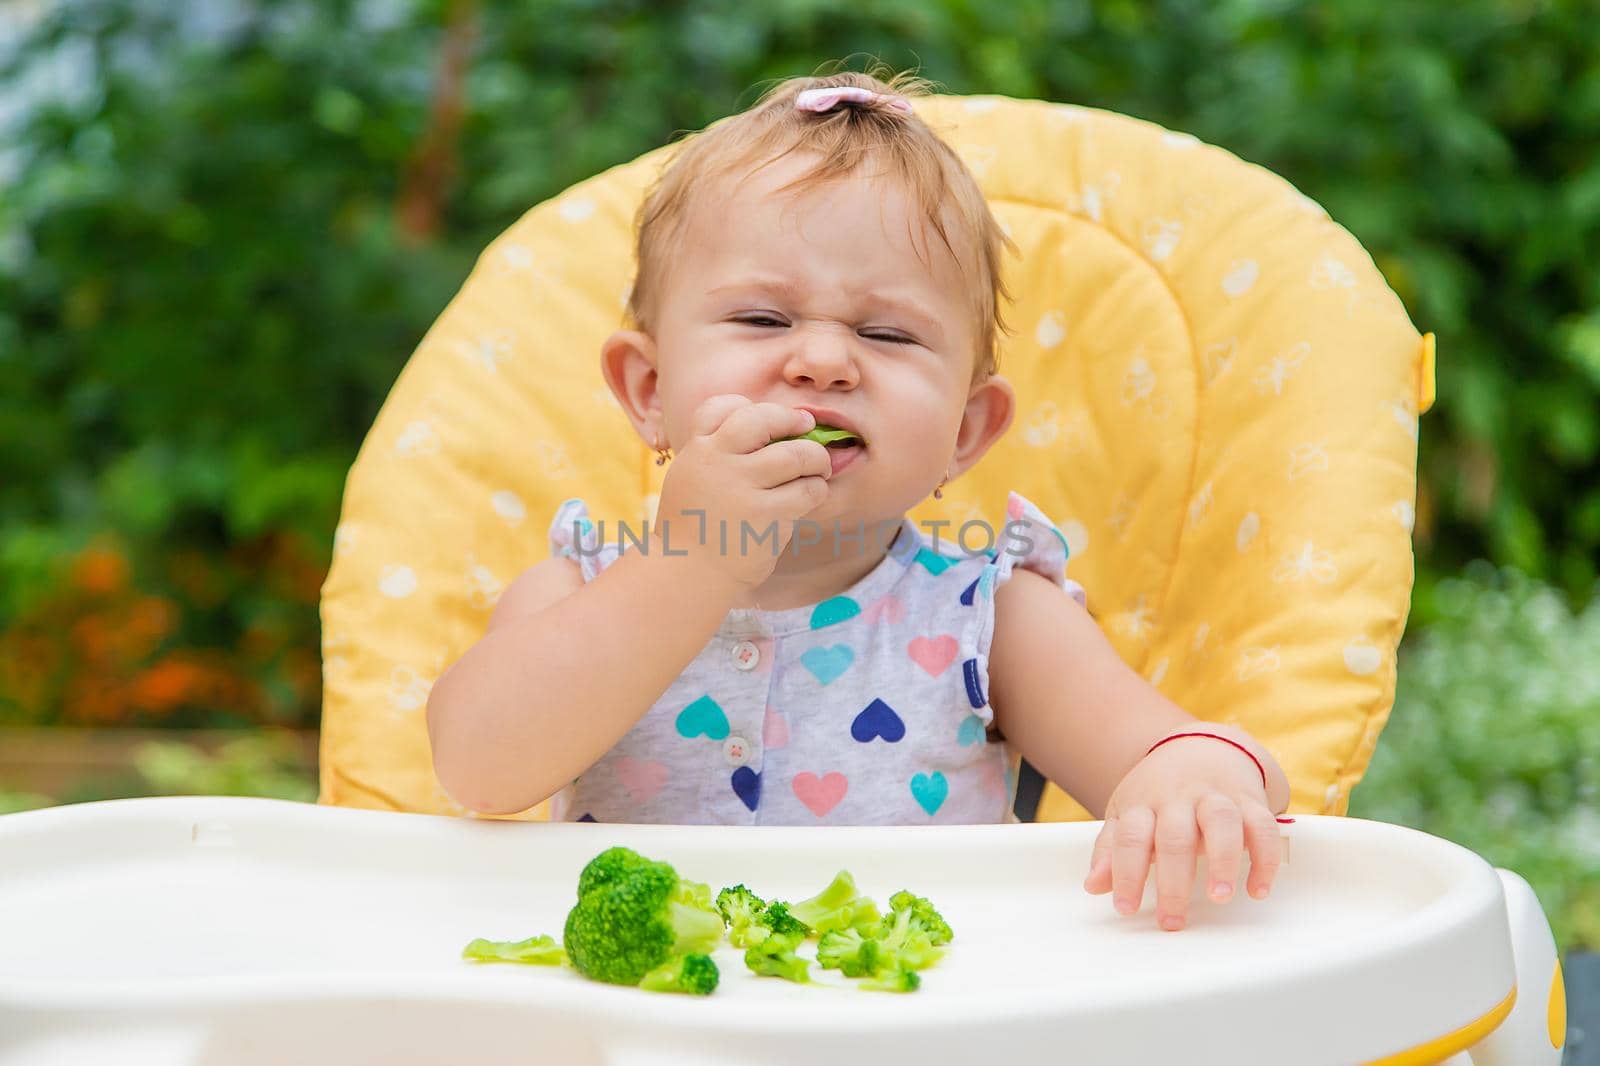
(233, 932)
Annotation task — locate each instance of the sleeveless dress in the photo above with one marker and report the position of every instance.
(869, 708)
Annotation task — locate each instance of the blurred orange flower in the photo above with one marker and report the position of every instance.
(100, 571)
(151, 618)
(169, 683)
(93, 700)
(28, 664)
(92, 638)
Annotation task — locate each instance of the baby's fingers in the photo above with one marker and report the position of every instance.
(1098, 881)
(783, 461)
(1265, 844)
(1130, 857)
(715, 410)
(754, 427)
(1223, 829)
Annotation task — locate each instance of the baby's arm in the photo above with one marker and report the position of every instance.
(565, 670)
(1065, 699)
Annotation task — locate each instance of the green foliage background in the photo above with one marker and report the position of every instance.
(1493, 741)
(224, 227)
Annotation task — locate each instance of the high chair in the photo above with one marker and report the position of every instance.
(1218, 403)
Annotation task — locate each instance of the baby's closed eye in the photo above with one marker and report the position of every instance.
(886, 336)
(892, 338)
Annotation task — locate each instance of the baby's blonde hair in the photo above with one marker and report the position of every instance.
(846, 138)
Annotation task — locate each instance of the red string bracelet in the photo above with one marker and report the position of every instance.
(1225, 740)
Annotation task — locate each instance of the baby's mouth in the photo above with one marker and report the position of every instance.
(845, 452)
(831, 436)
(844, 446)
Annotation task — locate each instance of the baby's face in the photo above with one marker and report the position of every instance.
(823, 301)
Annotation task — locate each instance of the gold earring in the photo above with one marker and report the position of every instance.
(662, 454)
(938, 492)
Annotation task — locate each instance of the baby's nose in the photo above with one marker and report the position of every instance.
(823, 357)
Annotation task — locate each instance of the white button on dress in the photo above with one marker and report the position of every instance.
(746, 655)
(736, 750)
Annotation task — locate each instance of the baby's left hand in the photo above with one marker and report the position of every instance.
(1194, 786)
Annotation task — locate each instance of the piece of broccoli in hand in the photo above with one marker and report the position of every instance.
(852, 954)
(633, 915)
(826, 434)
(839, 906)
(695, 975)
(536, 950)
(774, 955)
(742, 910)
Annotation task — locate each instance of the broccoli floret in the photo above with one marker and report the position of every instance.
(906, 943)
(839, 906)
(536, 950)
(893, 981)
(633, 915)
(884, 966)
(778, 919)
(742, 910)
(695, 975)
(838, 945)
(775, 957)
(616, 864)
(911, 936)
(696, 894)
(852, 954)
(923, 915)
(611, 865)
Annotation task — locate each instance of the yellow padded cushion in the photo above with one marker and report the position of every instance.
(1218, 400)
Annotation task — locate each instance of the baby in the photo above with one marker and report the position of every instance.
(784, 646)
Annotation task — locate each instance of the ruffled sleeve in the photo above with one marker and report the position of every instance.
(1031, 540)
(1027, 539)
(573, 535)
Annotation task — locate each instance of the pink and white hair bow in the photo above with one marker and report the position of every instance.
(820, 100)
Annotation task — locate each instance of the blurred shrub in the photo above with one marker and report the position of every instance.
(1494, 741)
(253, 765)
(225, 226)
(262, 763)
(194, 638)
(12, 802)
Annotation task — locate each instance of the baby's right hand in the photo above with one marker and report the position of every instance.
(736, 470)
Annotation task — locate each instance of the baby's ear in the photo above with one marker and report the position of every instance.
(991, 405)
(628, 363)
